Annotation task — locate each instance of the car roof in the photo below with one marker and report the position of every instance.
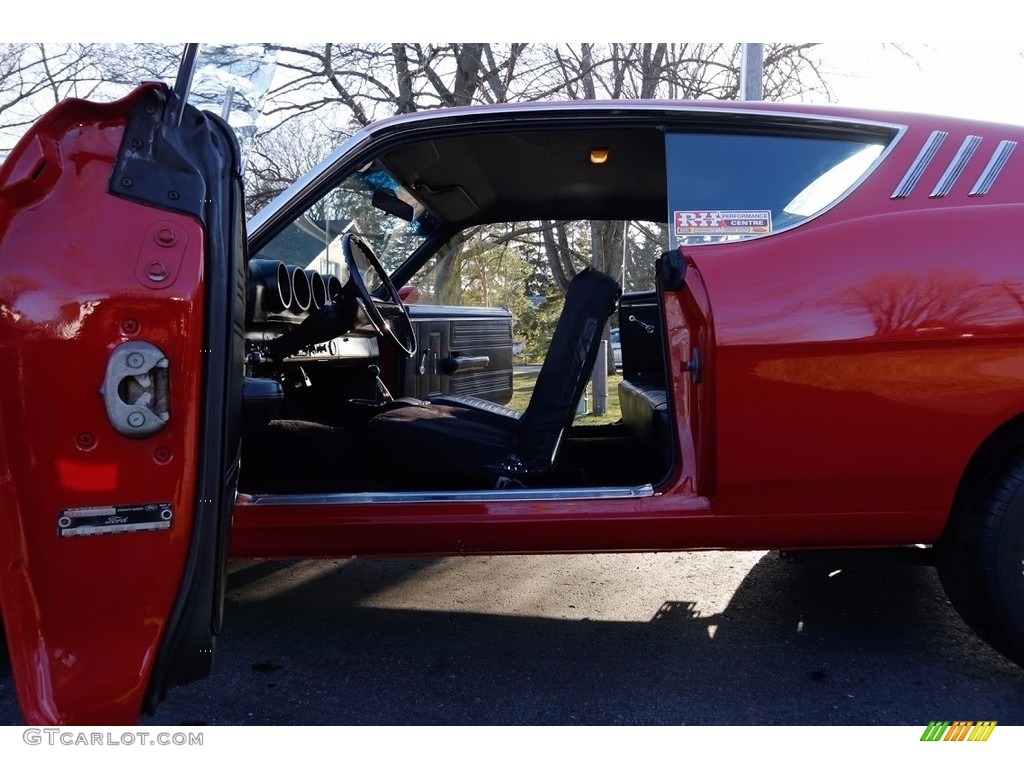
(527, 161)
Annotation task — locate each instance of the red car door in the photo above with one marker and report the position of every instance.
(121, 299)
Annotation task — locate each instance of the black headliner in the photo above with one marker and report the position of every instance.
(536, 174)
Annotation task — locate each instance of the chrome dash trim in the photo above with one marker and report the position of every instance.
(916, 169)
(406, 497)
(956, 166)
(993, 169)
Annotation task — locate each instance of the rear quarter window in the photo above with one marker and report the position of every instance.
(725, 187)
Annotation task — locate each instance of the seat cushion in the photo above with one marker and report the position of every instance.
(443, 443)
(644, 409)
(476, 403)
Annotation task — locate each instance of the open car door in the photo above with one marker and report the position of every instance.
(121, 300)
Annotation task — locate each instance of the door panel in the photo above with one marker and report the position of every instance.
(462, 351)
(643, 349)
(111, 541)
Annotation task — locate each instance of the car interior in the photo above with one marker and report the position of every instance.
(354, 384)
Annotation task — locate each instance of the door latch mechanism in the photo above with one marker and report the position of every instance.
(136, 389)
(695, 365)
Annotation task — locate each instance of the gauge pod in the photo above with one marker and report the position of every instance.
(301, 290)
(270, 285)
(318, 289)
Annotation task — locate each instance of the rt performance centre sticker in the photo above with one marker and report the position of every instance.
(123, 518)
(687, 223)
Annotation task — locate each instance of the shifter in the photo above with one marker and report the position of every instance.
(382, 390)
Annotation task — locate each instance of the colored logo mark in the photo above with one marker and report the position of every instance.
(958, 730)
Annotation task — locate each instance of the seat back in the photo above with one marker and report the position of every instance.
(570, 360)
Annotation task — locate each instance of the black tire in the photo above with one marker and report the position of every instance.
(980, 557)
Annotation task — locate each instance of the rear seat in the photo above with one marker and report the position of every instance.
(645, 411)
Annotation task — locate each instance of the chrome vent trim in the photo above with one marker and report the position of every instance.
(481, 382)
(993, 169)
(481, 333)
(956, 166)
(914, 173)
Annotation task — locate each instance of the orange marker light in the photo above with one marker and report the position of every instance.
(599, 156)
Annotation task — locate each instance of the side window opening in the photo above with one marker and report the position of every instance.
(510, 266)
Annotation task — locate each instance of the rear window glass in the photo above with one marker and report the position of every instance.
(729, 186)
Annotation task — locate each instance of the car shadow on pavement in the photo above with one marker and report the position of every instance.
(473, 641)
(309, 643)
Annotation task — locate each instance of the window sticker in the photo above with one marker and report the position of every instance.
(688, 223)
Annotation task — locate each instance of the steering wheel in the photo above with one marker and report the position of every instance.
(390, 317)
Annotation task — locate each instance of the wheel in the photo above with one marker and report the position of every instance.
(980, 556)
(389, 316)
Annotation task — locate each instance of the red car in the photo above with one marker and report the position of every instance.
(824, 350)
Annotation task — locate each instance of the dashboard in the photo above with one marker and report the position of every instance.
(281, 296)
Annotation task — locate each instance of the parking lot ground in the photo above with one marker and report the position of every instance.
(741, 638)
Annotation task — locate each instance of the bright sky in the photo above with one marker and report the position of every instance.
(974, 69)
(978, 80)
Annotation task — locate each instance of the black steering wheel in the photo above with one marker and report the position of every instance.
(389, 317)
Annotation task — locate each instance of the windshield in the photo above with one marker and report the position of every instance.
(369, 203)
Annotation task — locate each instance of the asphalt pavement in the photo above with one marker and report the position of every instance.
(742, 638)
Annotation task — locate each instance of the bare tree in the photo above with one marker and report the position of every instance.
(361, 83)
(35, 76)
(122, 66)
(276, 159)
